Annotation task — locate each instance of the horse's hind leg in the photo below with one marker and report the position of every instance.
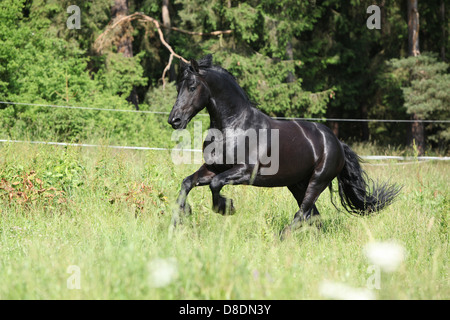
(306, 198)
(299, 191)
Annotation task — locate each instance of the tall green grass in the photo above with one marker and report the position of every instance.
(113, 224)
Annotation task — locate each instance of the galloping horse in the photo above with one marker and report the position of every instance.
(306, 156)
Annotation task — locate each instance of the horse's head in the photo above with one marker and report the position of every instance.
(193, 92)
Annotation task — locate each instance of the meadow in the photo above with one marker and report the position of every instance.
(94, 223)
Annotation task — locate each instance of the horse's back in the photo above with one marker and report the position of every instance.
(303, 147)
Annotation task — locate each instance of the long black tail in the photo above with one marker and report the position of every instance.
(358, 193)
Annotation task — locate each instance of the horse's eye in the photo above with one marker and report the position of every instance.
(191, 89)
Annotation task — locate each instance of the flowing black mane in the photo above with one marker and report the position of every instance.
(206, 64)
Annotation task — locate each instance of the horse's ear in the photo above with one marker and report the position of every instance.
(195, 66)
(206, 61)
(183, 65)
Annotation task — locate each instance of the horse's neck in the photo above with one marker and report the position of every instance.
(228, 114)
(228, 106)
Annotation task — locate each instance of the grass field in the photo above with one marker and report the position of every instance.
(94, 223)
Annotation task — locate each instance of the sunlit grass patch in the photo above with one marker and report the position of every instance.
(119, 245)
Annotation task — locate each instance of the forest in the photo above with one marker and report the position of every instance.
(329, 60)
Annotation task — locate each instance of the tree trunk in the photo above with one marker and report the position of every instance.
(167, 24)
(124, 42)
(443, 41)
(364, 125)
(413, 28)
(417, 128)
(333, 113)
(385, 25)
(418, 134)
(290, 56)
(166, 18)
(334, 125)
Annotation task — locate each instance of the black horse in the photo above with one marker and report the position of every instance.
(305, 156)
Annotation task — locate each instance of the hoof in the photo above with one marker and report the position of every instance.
(225, 207)
(180, 213)
(285, 233)
(186, 210)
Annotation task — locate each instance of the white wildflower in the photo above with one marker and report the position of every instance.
(162, 272)
(340, 291)
(387, 255)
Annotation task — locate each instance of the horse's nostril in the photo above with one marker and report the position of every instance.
(175, 122)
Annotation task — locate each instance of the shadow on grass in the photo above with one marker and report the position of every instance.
(337, 224)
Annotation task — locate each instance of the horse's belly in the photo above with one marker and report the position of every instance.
(288, 171)
(292, 160)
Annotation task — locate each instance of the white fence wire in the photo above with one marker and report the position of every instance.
(367, 157)
(203, 114)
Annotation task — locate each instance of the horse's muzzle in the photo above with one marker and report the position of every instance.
(177, 123)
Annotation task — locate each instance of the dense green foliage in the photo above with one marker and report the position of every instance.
(294, 58)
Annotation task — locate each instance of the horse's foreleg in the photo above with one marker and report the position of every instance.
(240, 174)
(201, 177)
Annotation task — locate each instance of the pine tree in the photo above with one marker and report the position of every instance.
(424, 82)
